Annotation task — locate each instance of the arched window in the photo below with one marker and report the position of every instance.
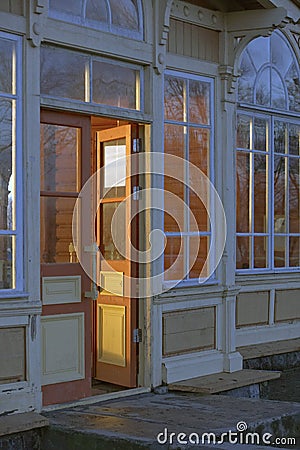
(268, 157)
(116, 16)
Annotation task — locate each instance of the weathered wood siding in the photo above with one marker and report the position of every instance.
(252, 308)
(188, 331)
(287, 305)
(12, 355)
(191, 40)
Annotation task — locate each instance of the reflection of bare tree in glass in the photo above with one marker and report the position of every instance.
(174, 97)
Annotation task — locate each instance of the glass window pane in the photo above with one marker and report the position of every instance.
(174, 145)
(7, 74)
(60, 158)
(56, 230)
(63, 73)
(111, 229)
(174, 259)
(198, 251)
(242, 192)
(96, 10)
(279, 195)
(124, 14)
(281, 55)
(7, 262)
(174, 98)
(199, 102)
(114, 168)
(294, 260)
(279, 251)
(277, 92)
(260, 193)
(199, 156)
(69, 7)
(243, 252)
(294, 139)
(259, 49)
(243, 131)
(294, 191)
(263, 88)
(247, 79)
(292, 81)
(7, 175)
(260, 252)
(280, 137)
(115, 85)
(260, 134)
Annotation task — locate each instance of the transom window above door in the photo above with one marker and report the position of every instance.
(117, 16)
(268, 157)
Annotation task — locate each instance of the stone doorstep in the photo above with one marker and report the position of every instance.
(269, 349)
(220, 382)
(18, 423)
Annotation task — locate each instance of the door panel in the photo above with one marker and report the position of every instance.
(66, 314)
(116, 354)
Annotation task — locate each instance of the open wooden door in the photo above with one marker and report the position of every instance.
(66, 313)
(116, 352)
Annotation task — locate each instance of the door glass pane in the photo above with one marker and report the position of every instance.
(279, 195)
(60, 158)
(115, 85)
(294, 191)
(63, 73)
(7, 256)
(56, 230)
(114, 154)
(174, 258)
(260, 193)
(199, 102)
(243, 252)
(111, 228)
(242, 192)
(7, 175)
(174, 98)
(7, 75)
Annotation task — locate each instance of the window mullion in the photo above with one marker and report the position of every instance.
(271, 199)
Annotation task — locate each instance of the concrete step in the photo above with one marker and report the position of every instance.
(221, 382)
(139, 422)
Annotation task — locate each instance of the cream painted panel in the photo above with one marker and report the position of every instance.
(12, 6)
(12, 355)
(287, 305)
(188, 331)
(62, 348)
(57, 290)
(191, 40)
(111, 334)
(252, 308)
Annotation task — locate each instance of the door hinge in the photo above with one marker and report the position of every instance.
(136, 192)
(137, 335)
(137, 145)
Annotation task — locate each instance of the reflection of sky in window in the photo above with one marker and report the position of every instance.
(10, 203)
(115, 166)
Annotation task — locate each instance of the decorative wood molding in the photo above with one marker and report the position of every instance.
(186, 12)
(37, 15)
(162, 11)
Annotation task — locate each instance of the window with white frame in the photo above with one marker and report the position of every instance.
(116, 16)
(11, 250)
(268, 157)
(188, 134)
